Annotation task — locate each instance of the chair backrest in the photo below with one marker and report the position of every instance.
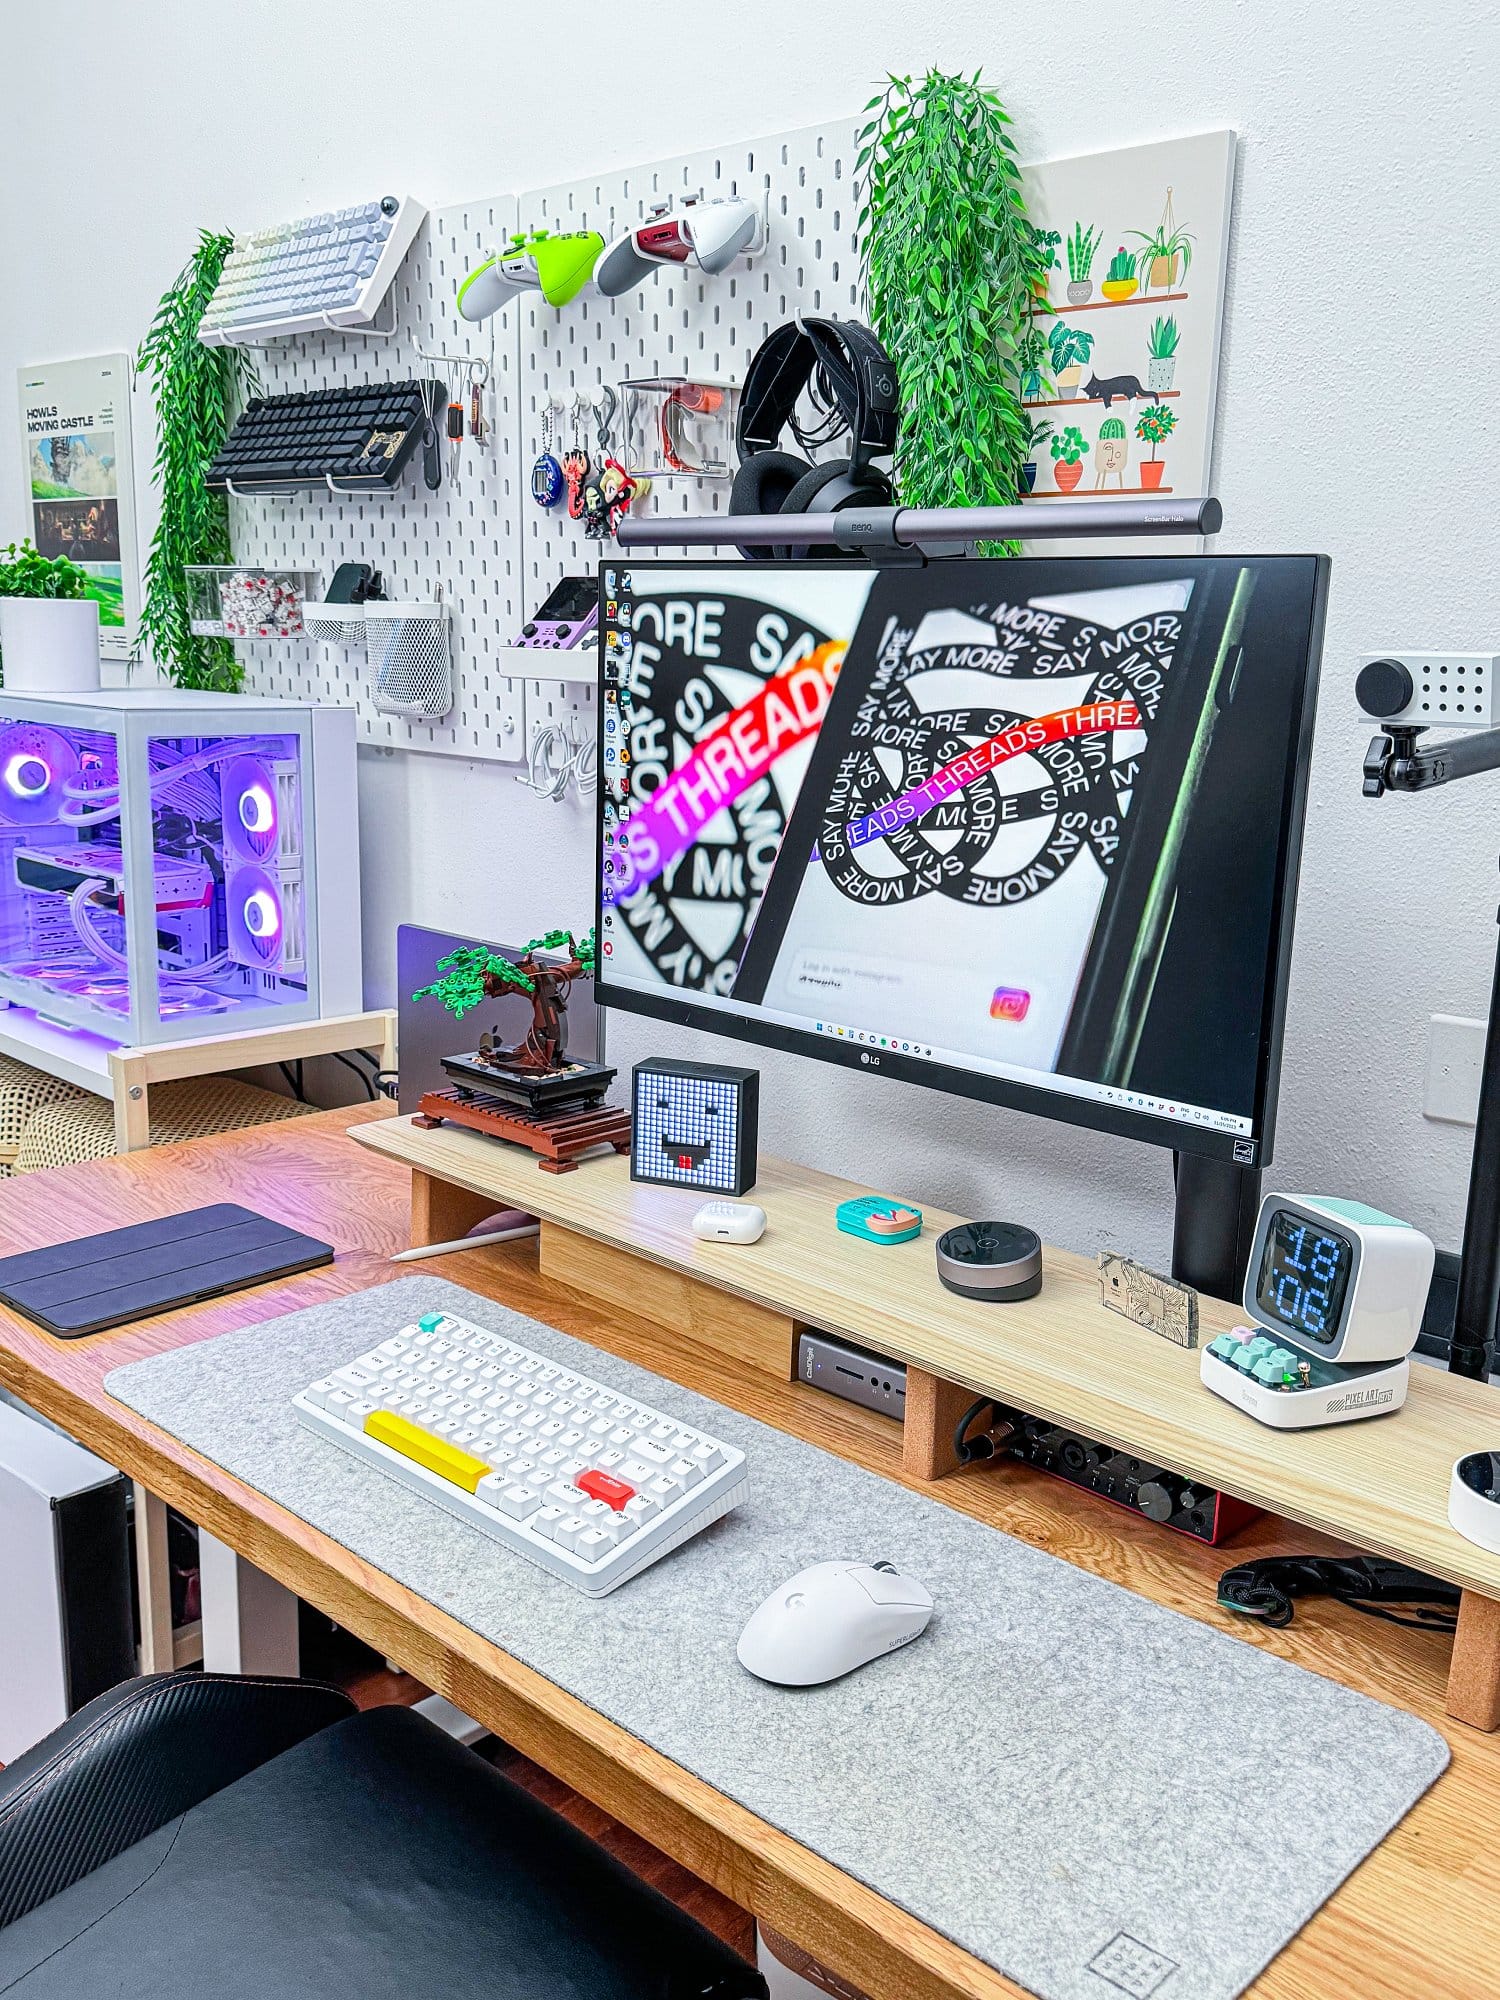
(134, 1758)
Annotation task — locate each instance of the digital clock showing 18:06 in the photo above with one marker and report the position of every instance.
(1304, 1274)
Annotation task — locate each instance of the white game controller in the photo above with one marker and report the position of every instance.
(709, 233)
(730, 1222)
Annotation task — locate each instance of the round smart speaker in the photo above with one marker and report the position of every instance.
(998, 1261)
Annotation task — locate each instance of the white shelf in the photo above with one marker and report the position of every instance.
(574, 666)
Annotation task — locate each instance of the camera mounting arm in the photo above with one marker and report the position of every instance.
(1395, 762)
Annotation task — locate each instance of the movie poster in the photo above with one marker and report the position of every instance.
(80, 487)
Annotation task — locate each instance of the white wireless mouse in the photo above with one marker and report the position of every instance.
(830, 1619)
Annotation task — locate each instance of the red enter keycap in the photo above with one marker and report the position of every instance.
(613, 1492)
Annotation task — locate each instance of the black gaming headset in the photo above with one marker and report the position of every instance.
(861, 380)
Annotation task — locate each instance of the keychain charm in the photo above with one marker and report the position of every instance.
(547, 480)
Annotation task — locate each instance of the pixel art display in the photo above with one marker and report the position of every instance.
(695, 1126)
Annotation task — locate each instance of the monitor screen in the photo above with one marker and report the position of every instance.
(1027, 830)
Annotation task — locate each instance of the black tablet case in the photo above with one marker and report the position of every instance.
(125, 1274)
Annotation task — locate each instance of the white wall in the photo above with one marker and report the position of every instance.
(1357, 418)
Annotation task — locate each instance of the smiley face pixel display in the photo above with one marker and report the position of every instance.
(695, 1126)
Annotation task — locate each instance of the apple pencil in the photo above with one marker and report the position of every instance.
(465, 1243)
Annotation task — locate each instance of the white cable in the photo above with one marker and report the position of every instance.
(84, 924)
(586, 764)
(162, 779)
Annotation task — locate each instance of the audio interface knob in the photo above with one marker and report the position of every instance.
(1154, 1501)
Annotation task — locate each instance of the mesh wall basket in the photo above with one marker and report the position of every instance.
(408, 653)
(335, 624)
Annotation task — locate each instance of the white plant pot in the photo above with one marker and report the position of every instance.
(1159, 372)
(49, 645)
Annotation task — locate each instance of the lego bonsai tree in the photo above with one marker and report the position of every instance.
(474, 973)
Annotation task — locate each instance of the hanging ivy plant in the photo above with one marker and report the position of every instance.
(951, 268)
(197, 391)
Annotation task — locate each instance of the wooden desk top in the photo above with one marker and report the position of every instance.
(1421, 1916)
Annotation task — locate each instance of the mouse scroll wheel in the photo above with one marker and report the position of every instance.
(889, 1569)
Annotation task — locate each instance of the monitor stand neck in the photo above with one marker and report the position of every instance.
(1217, 1204)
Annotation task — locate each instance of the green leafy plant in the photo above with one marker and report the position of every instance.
(951, 267)
(1162, 339)
(197, 391)
(1070, 446)
(1083, 246)
(1112, 427)
(1037, 435)
(1069, 346)
(1155, 425)
(1031, 354)
(25, 573)
(1121, 266)
(1165, 242)
(1044, 244)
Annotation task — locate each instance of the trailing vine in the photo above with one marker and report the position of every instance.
(951, 264)
(197, 391)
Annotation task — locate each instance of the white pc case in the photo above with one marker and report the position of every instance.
(65, 1628)
(175, 864)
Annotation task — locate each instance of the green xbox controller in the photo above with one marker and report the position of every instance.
(532, 260)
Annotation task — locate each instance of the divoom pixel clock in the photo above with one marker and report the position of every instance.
(1336, 1292)
(694, 1125)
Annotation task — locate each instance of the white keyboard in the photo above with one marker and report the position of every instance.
(579, 1479)
(325, 271)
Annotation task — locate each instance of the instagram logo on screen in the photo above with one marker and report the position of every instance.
(1011, 1003)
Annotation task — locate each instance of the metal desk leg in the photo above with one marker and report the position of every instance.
(249, 1620)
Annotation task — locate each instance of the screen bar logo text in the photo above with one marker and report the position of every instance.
(964, 770)
(736, 754)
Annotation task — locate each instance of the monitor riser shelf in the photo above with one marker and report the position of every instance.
(1381, 1486)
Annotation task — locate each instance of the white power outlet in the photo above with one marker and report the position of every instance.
(1455, 1057)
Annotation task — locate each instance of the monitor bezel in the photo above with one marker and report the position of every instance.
(1252, 1151)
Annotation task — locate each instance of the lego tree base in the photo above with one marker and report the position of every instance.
(574, 1086)
(558, 1137)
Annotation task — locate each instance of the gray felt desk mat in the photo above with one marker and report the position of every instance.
(1093, 1794)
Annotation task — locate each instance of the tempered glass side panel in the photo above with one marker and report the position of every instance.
(228, 850)
(154, 886)
(63, 874)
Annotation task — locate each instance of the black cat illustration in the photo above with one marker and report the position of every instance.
(1127, 387)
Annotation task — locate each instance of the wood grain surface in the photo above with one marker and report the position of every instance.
(1420, 1917)
(1382, 1485)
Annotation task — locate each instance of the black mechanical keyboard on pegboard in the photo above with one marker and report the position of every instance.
(361, 438)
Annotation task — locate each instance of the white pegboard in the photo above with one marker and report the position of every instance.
(680, 322)
(483, 541)
(459, 542)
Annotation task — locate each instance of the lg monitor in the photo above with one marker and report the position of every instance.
(1024, 830)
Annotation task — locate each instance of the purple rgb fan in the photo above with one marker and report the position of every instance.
(248, 794)
(35, 764)
(256, 918)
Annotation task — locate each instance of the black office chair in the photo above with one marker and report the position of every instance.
(191, 1834)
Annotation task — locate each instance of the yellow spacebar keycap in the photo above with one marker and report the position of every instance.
(445, 1459)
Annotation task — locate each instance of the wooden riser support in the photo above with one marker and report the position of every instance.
(717, 1321)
